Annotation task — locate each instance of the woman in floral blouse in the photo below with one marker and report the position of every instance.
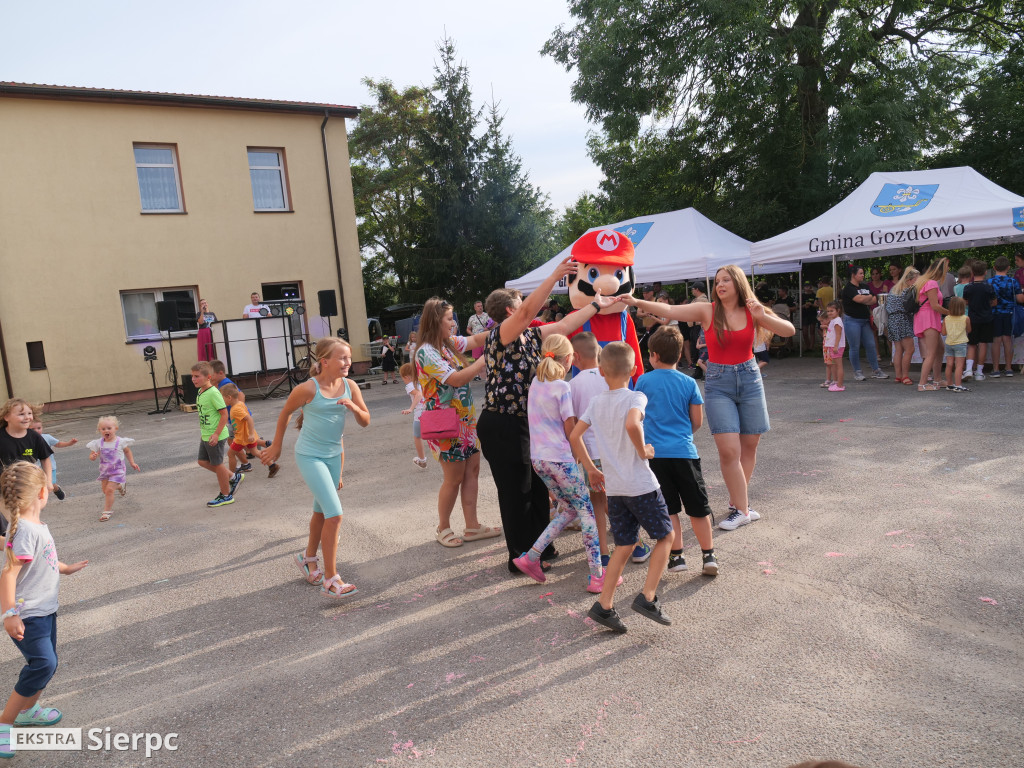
(444, 383)
(512, 354)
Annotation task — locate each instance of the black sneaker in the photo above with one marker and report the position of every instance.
(269, 443)
(650, 608)
(606, 618)
(59, 492)
(710, 565)
(247, 467)
(676, 563)
(221, 500)
(236, 481)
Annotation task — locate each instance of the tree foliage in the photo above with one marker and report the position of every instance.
(444, 205)
(764, 113)
(387, 181)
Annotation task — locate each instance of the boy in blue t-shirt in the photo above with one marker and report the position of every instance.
(674, 412)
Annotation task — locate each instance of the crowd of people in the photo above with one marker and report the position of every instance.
(611, 457)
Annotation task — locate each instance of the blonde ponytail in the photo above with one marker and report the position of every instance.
(556, 347)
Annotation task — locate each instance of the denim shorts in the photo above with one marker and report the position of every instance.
(734, 399)
(956, 350)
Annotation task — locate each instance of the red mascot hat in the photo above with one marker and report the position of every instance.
(604, 246)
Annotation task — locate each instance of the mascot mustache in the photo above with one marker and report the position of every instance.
(588, 290)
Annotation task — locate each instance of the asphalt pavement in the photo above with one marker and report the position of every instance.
(872, 615)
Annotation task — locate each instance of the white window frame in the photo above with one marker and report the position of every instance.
(173, 165)
(282, 174)
(158, 295)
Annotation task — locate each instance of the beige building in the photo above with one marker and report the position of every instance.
(114, 201)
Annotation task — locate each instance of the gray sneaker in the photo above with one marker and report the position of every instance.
(879, 374)
(859, 376)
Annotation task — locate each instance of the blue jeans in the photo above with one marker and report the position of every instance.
(39, 647)
(734, 399)
(859, 332)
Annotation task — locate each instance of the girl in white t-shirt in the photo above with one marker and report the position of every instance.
(550, 415)
(28, 597)
(834, 346)
(112, 451)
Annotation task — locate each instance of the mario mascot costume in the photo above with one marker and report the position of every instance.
(606, 265)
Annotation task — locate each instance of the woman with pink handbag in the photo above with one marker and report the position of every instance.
(448, 421)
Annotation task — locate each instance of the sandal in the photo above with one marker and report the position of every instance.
(908, 381)
(447, 537)
(927, 388)
(5, 741)
(481, 532)
(315, 577)
(39, 716)
(122, 488)
(344, 590)
(105, 516)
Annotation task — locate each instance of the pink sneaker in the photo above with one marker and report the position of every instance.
(596, 583)
(836, 388)
(530, 568)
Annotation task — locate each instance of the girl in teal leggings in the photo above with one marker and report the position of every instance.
(324, 400)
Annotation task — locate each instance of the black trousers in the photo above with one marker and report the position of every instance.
(522, 495)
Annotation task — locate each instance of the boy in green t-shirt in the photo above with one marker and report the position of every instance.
(213, 420)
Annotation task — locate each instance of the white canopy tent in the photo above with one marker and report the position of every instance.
(670, 248)
(893, 213)
(903, 212)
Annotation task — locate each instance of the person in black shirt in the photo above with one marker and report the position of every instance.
(981, 298)
(857, 303)
(19, 443)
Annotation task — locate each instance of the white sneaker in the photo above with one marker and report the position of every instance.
(968, 375)
(879, 374)
(737, 518)
(860, 376)
(979, 376)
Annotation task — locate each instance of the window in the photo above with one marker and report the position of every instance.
(140, 317)
(266, 171)
(159, 183)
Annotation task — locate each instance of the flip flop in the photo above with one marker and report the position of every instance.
(447, 537)
(483, 532)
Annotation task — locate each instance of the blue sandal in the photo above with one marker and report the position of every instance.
(39, 716)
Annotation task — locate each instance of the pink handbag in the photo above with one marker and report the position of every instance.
(439, 424)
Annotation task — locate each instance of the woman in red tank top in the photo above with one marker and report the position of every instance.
(733, 391)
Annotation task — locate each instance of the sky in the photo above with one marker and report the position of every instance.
(316, 50)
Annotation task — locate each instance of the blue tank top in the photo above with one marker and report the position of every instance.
(323, 425)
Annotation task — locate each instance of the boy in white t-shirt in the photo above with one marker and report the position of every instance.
(634, 496)
(584, 387)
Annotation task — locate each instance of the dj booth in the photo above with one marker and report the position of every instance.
(262, 344)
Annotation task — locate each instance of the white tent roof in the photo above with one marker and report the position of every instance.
(670, 247)
(898, 212)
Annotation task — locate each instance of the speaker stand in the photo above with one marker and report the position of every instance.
(174, 379)
(156, 393)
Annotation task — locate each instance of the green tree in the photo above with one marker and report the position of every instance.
(448, 256)
(993, 118)
(764, 114)
(514, 224)
(387, 180)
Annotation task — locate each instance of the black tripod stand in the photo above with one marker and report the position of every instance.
(289, 355)
(175, 393)
(149, 355)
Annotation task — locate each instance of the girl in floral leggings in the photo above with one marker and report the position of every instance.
(550, 414)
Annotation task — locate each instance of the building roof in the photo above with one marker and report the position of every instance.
(109, 95)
